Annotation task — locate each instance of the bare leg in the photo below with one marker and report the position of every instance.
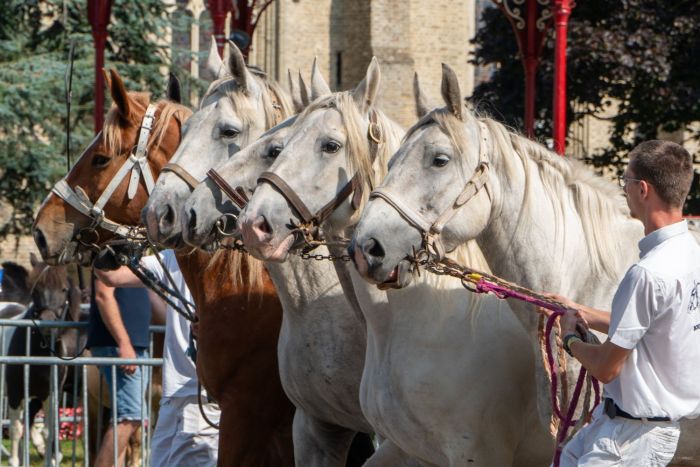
(16, 432)
(124, 431)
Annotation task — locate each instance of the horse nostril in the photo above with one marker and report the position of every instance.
(192, 223)
(167, 219)
(262, 225)
(373, 249)
(40, 241)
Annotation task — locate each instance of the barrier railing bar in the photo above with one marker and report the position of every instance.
(28, 323)
(104, 361)
(27, 426)
(115, 446)
(86, 418)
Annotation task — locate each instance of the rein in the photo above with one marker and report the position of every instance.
(480, 282)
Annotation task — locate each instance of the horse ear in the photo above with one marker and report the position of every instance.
(108, 80)
(319, 87)
(33, 260)
(366, 92)
(305, 92)
(295, 92)
(119, 95)
(214, 63)
(451, 92)
(173, 93)
(238, 68)
(422, 107)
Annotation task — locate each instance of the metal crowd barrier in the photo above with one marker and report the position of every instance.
(80, 396)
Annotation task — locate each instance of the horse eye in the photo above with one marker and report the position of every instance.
(274, 152)
(229, 133)
(98, 160)
(441, 160)
(331, 147)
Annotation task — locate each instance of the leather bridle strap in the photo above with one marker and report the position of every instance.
(237, 195)
(288, 193)
(182, 173)
(137, 163)
(432, 230)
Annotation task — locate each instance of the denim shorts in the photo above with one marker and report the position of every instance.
(131, 389)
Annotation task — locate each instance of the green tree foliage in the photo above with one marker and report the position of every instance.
(35, 37)
(640, 54)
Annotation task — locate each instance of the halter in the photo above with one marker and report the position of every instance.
(431, 231)
(309, 227)
(136, 163)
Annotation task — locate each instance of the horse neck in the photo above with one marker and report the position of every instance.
(209, 281)
(545, 248)
(301, 283)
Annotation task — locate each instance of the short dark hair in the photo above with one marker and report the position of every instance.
(665, 165)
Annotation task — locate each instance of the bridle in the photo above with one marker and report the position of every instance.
(309, 227)
(431, 231)
(137, 164)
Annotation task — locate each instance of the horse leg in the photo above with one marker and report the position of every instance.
(16, 432)
(38, 432)
(389, 454)
(317, 443)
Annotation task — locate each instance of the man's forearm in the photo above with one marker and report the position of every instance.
(603, 361)
(109, 311)
(598, 320)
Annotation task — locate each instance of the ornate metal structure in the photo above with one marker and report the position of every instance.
(530, 20)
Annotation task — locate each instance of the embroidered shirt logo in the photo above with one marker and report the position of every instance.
(694, 298)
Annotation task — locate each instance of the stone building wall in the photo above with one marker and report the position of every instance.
(405, 36)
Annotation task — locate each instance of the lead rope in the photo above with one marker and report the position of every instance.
(479, 282)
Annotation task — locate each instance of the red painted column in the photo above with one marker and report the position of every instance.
(218, 10)
(562, 11)
(531, 61)
(98, 15)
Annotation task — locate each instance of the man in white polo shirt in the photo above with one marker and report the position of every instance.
(649, 363)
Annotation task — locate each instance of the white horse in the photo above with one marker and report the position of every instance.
(541, 220)
(237, 108)
(442, 382)
(321, 344)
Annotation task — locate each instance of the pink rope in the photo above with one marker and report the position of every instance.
(566, 421)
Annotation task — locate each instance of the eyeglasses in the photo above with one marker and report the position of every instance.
(623, 180)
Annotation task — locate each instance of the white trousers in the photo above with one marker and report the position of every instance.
(182, 437)
(621, 442)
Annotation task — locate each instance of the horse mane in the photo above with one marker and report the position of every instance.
(114, 124)
(235, 264)
(358, 155)
(596, 200)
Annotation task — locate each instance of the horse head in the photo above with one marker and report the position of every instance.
(102, 195)
(237, 108)
(209, 213)
(337, 149)
(441, 155)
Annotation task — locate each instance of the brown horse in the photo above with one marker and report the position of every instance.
(239, 325)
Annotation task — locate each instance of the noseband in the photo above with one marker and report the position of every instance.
(431, 231)
(136, 163)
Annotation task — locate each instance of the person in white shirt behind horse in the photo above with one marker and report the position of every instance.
(649, 361)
